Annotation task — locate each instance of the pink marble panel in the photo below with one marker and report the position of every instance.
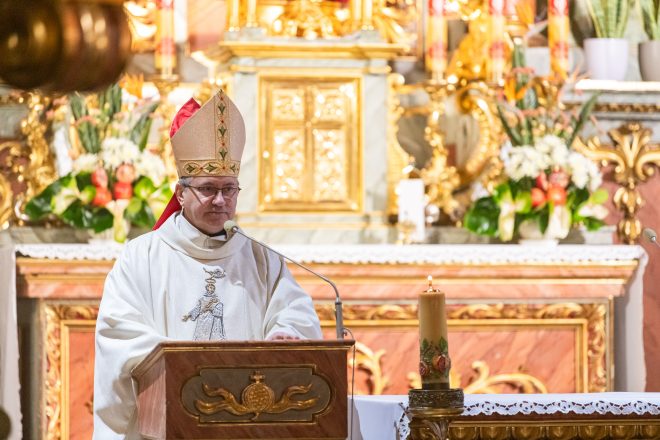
(81, 383)
(547, 354)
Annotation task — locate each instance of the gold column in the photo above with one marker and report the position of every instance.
(251, 20)
(233, 14)
(367, 15)
(356, 13)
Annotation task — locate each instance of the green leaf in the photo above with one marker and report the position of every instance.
(67, 195)
(40, 206)
(140, 132)
(592, 224)
(599, 196)
(544, 217)
(139, 213)
(514, 136)
(101, 220)
(523, 202)
(585, 112)
(87, 194)
(482, 218)
(144, 188)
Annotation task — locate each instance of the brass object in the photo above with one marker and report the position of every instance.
(63, 46)
(634, 159)
(256, 398)
(310, 154)
(431, 411)
(484, 383)
(226, 394)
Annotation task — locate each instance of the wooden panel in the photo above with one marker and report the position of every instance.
(261, 409)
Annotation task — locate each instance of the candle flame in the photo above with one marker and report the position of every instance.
(430, 280)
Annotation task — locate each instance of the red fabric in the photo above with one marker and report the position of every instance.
(186, 111)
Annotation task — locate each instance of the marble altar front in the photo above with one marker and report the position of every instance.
(521, 318)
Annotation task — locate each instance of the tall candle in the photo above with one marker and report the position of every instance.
(436, 39)
(165, 52)
(434, 361)
(497, 34)
(558, 36)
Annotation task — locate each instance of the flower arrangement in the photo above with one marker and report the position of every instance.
(546, 187)
(115, 180)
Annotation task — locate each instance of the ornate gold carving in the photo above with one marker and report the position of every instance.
(310, 149)
(568, 430)
(370, 362)
(446, 182)
(306, 19)
(441, 179)
(142, 16)
(57, 317)
(11, 166)
(397, 158)
(256, 398)
(484, 383)
(634, 160)
(597, 373)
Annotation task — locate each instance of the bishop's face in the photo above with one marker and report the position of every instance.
(208, 202)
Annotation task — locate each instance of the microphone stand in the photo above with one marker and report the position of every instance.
(339, 316)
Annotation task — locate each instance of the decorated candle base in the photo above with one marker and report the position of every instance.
(431, 411)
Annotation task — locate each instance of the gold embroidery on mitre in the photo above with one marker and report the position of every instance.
(222, 163)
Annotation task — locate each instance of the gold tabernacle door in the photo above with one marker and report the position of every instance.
(244, 390)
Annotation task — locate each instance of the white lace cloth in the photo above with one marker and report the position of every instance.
(382, 254)
(381, 417)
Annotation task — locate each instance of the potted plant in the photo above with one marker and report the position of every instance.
(607, 54)
(649, 51)
(546, 188)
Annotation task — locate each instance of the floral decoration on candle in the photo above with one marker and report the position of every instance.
(434, 360)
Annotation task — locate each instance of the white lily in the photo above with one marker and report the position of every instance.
(65, 197)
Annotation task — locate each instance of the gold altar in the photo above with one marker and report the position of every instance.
(343, 100)
(527, 327)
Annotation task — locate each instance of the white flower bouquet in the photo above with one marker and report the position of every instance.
(546, 187)
(116, 180)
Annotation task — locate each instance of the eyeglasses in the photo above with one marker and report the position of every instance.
(212, 192)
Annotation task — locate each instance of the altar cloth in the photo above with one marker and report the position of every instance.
(383, 417)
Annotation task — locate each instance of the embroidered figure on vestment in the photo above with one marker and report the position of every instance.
(208, 313)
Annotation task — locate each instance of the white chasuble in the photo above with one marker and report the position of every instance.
(176, 283)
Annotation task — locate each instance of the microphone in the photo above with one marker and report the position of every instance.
(651, 236)
(230, 226)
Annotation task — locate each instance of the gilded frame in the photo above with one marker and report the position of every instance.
(305, 79)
